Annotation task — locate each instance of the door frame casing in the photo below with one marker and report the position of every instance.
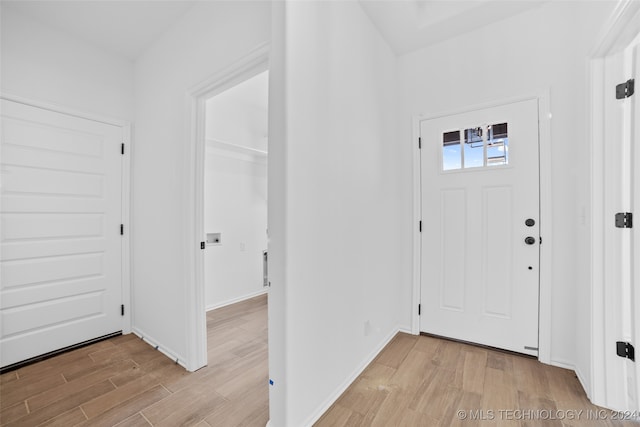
(250, 65)
(546, 226)
(618, 32)
(125, 189)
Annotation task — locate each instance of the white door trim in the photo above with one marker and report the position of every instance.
(253, 63)
(544, 115)
(126, 187)
(618, 32)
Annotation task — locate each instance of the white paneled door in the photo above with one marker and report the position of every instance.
(60, 232)
(480, 226)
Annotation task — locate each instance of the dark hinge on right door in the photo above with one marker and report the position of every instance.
(122, 149)
(625, 90)
(420, 226)
(122, 229)
(419, 143)
(626, 350)
(122, 310)
(624, 220)
(419, 309)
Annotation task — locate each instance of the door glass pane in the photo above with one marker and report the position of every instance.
(473, 148)
(451, 155)
(497, 145)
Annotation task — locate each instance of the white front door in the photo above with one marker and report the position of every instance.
(60, 233)
(480, 226)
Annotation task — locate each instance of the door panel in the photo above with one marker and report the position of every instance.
(60, 231)
(453, 218)
(497, 251)
(479, 279)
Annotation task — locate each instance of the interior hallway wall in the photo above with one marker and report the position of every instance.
(43, 64)
(235, 189)
(207, 39)
(346, 208)
(545, 48)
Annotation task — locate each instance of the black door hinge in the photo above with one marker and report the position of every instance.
(624, 220)
(122, 229)
(122, 149)
(201, 245)
(626, 350)
(540, 239)
(419, 309)
(420, 226)
(625, 90)
(419, 143)
(122, 310)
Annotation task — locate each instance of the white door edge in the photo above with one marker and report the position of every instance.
(544, 125)
(619, 31)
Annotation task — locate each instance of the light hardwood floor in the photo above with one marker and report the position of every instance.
(414, 381)
(425, 381)
(124, 381)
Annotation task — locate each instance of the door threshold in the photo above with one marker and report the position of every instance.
(475, 344)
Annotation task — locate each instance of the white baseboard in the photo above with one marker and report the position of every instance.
(180, 360)
(583, 383)
(562, 364)
(342, 387)
(406, 330)
(237, 299)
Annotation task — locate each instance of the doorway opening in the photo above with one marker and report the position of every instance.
(250, 65)
(235, 193)
(235, 153)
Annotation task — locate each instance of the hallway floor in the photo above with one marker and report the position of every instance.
(125, 382)
(414, 381)
(426, 381)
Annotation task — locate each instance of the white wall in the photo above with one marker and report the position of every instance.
(235, 204)
(43, 64)
(239, 115)
(546, 48)
(235, 191)
(207, 39)
(347, 229)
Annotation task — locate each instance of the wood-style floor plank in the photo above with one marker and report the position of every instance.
(61, 406)
(12, 413)
(188, 407)
(69, 418)
(65, 390)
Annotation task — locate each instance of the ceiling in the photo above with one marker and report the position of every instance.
(128, 27)
(122, 27)
(408, 25)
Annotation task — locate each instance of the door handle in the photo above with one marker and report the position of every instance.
(530, 240)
